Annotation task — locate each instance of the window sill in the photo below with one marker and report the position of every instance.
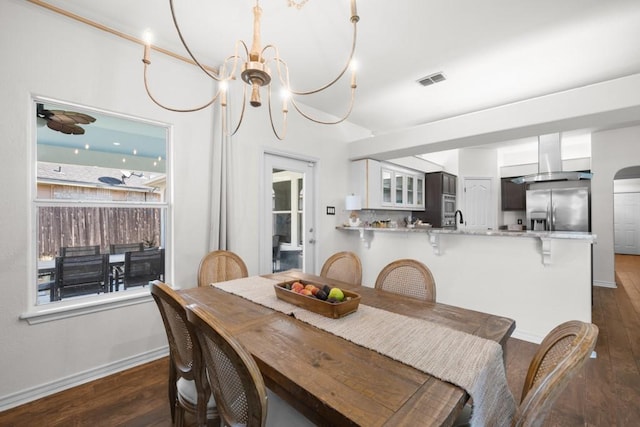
(64, 310)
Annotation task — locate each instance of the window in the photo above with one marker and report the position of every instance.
(100, 191)
(288, 202)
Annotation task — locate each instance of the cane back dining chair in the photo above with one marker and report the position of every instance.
(560, 356)
(80, 275)
(235, 379)
(219, 266)
(343, 266)
(188, 386)
(79, 250)
(408, 277)
(142, 267)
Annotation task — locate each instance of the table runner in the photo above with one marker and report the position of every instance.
(470, 362)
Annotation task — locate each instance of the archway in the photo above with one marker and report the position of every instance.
(626, 219)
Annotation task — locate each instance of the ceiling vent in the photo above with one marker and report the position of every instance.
(432, 79)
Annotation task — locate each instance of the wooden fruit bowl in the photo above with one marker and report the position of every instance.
(334, 310)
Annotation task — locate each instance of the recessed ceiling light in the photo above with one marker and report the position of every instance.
(116, 143)
(135, 151)
(86, 146)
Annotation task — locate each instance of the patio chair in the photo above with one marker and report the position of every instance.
(79, 250)
(235, 379)
(408, 277)
(117, 270)
(343, 266)
(142, 267)
(80, 275)
(220, 266)
(188, 386)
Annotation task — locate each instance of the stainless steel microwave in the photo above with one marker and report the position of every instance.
(448, 205)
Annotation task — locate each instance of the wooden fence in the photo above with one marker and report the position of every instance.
(86, 226)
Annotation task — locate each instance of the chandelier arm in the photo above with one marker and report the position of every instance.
(184, 43)
(177, 110)
(284, 121)
(331, 83)
(235, 57)
(308, 117)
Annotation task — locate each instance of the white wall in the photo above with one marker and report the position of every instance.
(49, 55)
(612, 150)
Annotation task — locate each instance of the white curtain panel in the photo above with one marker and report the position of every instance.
(220, 182)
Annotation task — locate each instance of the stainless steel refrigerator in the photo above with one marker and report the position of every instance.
(558, 209)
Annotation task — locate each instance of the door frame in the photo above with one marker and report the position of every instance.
(310, 217)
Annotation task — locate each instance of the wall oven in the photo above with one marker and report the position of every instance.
(448, 205)
(448, 211)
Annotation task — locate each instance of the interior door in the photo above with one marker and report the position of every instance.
(626, 222)
(478, 209)
(287, 219)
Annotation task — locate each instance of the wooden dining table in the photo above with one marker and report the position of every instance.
(335, 382)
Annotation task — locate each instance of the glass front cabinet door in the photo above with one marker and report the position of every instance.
(386, 187)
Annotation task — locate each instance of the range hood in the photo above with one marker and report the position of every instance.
(550, 163)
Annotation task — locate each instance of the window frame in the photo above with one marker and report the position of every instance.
(35, 313)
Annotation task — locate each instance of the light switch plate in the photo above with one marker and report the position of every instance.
(331, 210)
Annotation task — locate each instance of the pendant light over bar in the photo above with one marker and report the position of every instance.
(254, 70)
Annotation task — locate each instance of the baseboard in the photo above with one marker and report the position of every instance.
(604, 284)
(38, 392)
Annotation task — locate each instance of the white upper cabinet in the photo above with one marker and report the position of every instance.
(387, 186)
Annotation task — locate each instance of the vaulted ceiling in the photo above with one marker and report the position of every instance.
(492, 52)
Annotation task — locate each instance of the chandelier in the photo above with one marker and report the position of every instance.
(255, 71)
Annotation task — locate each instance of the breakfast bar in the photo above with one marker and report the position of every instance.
(540, 279)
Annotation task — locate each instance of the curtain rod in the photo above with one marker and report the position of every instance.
(113, 31)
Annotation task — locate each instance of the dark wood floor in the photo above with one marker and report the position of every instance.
(606, 393)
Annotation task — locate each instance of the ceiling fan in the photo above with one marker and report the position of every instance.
(64, 121)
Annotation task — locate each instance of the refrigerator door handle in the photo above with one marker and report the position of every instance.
(553, 217)
(548, 226)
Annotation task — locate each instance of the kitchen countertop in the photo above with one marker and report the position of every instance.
(574, 235)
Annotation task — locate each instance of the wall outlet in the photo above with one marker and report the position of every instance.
(519, 222)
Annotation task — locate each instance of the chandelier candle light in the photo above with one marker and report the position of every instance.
(255, 72)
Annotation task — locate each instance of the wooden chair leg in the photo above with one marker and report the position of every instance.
(179, 421)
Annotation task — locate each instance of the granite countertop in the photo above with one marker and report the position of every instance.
(575, 235)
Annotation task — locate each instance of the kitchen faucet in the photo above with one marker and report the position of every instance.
(455, 217)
